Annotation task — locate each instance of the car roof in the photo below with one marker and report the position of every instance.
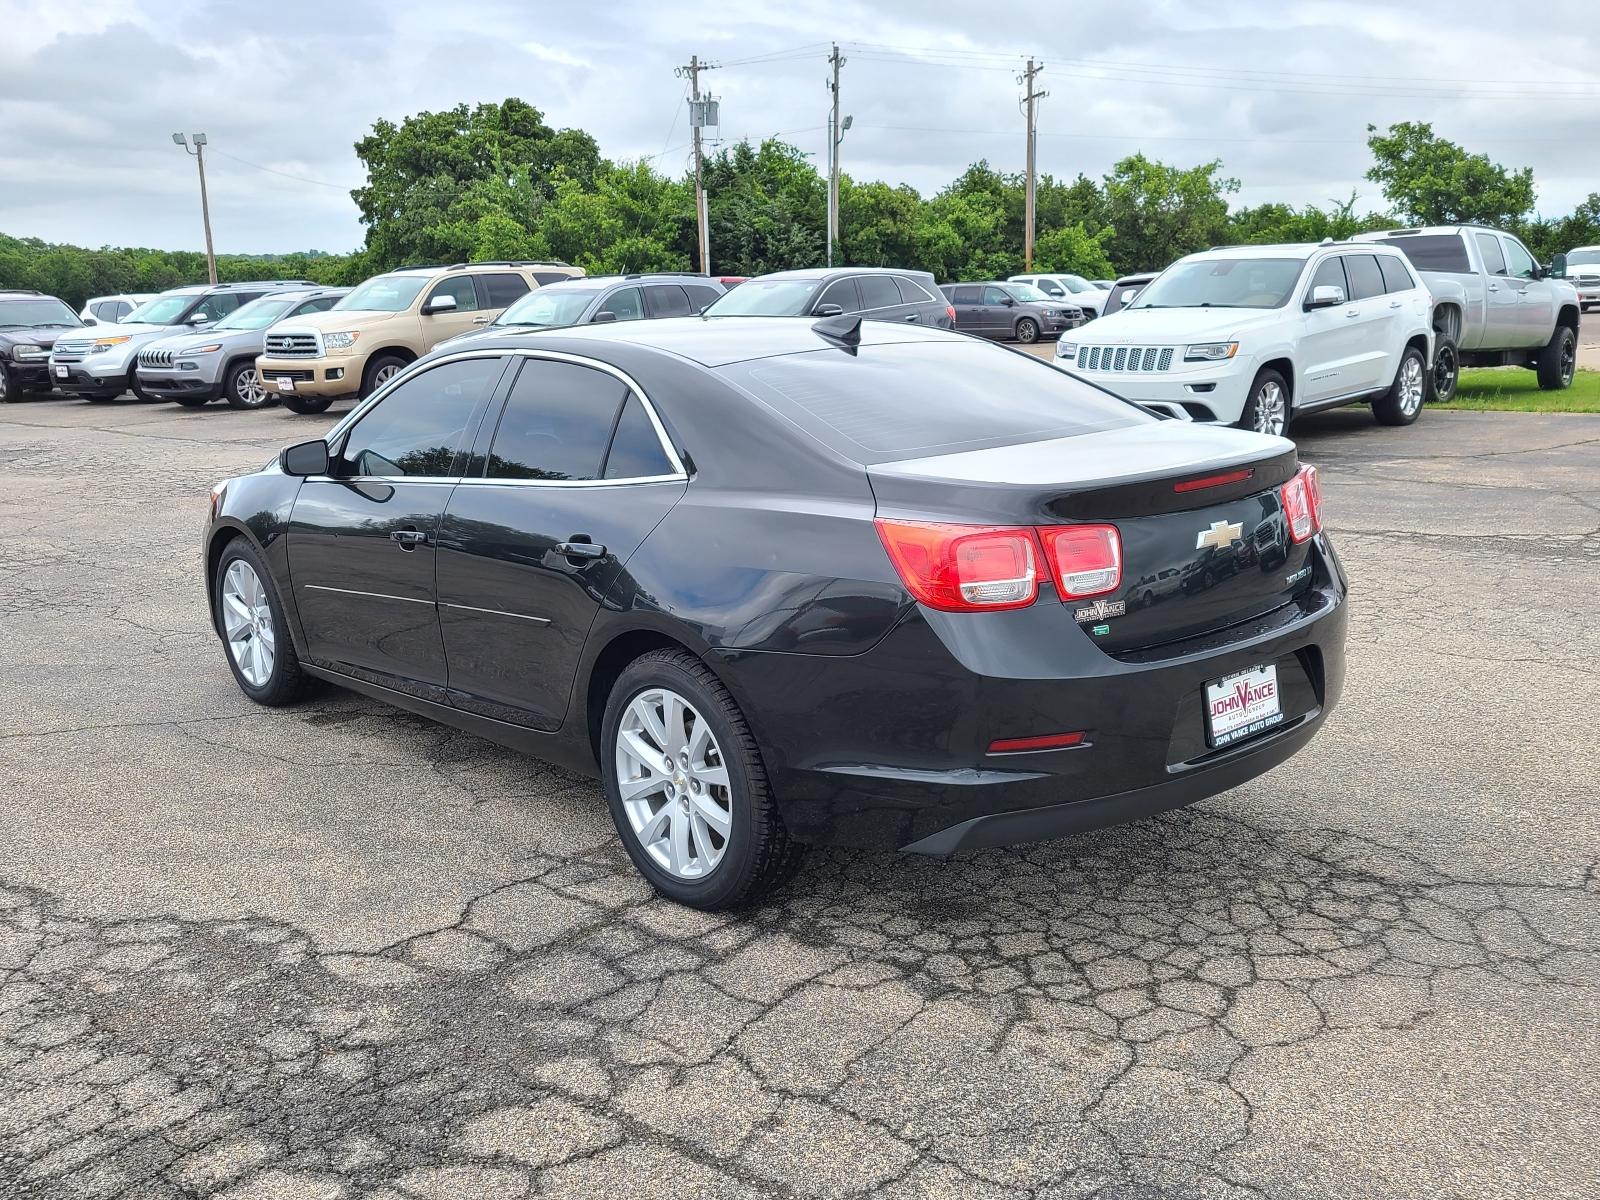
(710, 341)
(431, 269)
(819, 273)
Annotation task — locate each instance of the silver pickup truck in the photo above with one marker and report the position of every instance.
(1493, 304)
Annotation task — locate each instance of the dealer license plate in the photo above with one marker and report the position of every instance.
(285, 384)
(61, 372)
(1242, 705)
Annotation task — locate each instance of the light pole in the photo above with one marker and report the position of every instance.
(833, 185)
(199, 153)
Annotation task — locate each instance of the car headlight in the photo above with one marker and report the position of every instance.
(339, 341)
(101, 345)
(1066, 349)
(190, 353)
(27, 352)
(1210, 352)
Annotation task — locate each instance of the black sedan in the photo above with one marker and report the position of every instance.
(781, 582)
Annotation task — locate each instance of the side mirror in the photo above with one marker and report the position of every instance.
(828, 310)
(439, 304)
(91, 321)
(306, 458)
(1558, 266)
(1009, 302)
(1325, 296)
(199, 319)
(602, 317)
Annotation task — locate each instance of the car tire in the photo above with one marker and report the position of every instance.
(307, 406)
(10, 389)
(244, 389)
(1558, 359)
(379, 371)
(266, 668)
(192, 401)
(1446, 373)
(1402, 403)
(1268, 408)
(681, 860)
(133, 386)
(1027, 331)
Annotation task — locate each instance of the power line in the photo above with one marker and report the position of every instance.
(274, 171)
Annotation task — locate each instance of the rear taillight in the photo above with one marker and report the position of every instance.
(1086, 560)
(963, 568)
(950, 311)
(1302, 504)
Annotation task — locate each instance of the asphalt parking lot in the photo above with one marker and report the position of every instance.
(336, 951)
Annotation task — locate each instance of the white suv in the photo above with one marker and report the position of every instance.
(1253, 335)
(1072, 289)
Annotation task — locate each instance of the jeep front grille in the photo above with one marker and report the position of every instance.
(1124, 358)
(155, 358)
(293, 345)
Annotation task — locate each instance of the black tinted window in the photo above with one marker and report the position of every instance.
(968, 295)
(545, 277)
(700, 295)
(459, 286)
(418, 428)
(1494, 258)
(666, 300)
(1365, 278)
(843, 293)
(1330, 273)
(315, 306)
(1395, 276)
(1433, 251)
(625, 304)
(878, 291)
(501, 288)
(636, 451)
(910, 292)
(556, 424)
(220, 304)
(906, 401)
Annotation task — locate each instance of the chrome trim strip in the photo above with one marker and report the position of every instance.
(495, 612)
(317, 587)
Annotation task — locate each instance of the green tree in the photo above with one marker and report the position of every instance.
(1159, 213)
(1074, 250)
(1432, 181)
(1285, 223)
(767, 208)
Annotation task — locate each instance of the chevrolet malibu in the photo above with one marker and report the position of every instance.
(781, 582)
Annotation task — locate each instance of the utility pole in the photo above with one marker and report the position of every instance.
(697, 119)
(1030, 100)
(199, 153)
(835, 136)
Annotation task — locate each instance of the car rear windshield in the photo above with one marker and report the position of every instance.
(1433, 251)
(1223, 283)
(47, 311)
(911, 400)
(765, 298)
(386, 293)
(555, 305)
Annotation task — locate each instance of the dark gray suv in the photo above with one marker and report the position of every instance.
(877, 293)
(1010, 311)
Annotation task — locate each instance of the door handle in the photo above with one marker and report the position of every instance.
(480, 320)
(1494, 287)
(1394, 304)
(581, 547)
(913, 317)
(410, 539)
(1352, 312)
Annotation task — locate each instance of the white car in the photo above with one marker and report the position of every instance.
(1255, 335)
(1074, 289)
(108, 310)
(1583, 272)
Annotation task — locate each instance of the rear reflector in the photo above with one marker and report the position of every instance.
(1049, 741)
(1086, 560)
(1302, 504)
(1211, 481)
(963, 568)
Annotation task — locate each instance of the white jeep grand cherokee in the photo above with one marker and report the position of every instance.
(1253, 335)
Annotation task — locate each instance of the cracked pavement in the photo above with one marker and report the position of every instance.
(338, 952)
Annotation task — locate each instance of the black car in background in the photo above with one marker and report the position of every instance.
(1016, 312)
(877, 293)
(30, 322)
(789, 581)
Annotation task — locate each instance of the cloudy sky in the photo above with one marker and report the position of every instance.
(91, 91)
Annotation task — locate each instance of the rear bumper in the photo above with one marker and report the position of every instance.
(889, 749)
(312, 376)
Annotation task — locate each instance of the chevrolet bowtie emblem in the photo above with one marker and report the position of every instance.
(1221, 535)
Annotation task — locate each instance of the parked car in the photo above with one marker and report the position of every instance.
(111, 309)
(1255, 335)
(102, 366)
(1493, 305)
(1122, 293)
(1013, 311)
(1582, 270)
(197, 368)
(782, 582)
(391, 320)
(877, 293)
(602, 298)
(1067, 289)
(30, 323)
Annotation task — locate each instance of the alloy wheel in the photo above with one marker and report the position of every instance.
(673, 782)
(1445, 370)
(383, 374)
(1411, 385)
(247, 620)
(1269, 408)
(1569, 359)
(252, 392)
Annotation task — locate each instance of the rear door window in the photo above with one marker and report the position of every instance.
(967, 295)
(557, 422)
(1366, 280)
(502, 288)
(910, 291)
(1494, 258)
(877, 291)
(700, 295)
(1434, 251)
(545, 277)
(1396, 278)
(843, 293)
(666, 300)
(636, 451)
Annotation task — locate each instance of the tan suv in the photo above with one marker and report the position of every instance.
(387, 322)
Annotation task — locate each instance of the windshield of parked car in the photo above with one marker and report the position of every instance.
(1223, 283)
(1025, 292)
(549, 306)
(258, 314)
(385, 293)
(46, 310)
(765, 298)
(1074, 283)
(163, 310)
(1584, 258)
